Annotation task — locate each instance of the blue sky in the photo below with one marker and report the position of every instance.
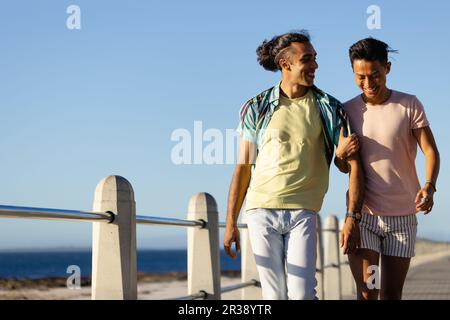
(78, 105)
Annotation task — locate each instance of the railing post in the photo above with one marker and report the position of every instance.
(348, 283)
(203, 247)
(332, 275)
(248, 267)
(319, 261)
(114, 274)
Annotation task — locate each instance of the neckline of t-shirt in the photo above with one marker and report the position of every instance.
(388, 100)
(296, 99)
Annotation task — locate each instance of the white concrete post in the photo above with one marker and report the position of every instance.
(114, 274)
(319, 261)
(248, 267)
(332, 275)
(203, 247)
(348, 283)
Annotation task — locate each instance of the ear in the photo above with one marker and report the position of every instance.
(388, 67)
(284, 64)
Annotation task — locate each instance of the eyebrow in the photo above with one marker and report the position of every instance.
(308, 55)
(363, 75)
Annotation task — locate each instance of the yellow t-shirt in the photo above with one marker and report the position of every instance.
(291, 170)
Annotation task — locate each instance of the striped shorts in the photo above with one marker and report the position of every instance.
(389, 236)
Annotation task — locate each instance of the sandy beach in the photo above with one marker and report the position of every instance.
(163, 286)
(147, 290)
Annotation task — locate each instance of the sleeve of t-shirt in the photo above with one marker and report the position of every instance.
(418, 117)
(247, 123)
(342, 121)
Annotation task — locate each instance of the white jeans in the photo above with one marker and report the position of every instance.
(284, 246)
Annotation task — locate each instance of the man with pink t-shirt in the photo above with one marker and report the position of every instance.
(388, 125)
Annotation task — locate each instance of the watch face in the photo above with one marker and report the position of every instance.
(355, 215)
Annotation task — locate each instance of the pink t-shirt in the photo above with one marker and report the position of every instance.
(388, 151)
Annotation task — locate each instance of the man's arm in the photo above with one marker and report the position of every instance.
(346, 147)
(425, 139)
(356, 184)
(350, 237)
(236, 195)
(341, 164)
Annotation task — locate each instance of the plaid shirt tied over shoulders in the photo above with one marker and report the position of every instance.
(256, 113)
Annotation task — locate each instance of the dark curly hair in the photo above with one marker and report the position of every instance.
(270, 52)
(370, 49)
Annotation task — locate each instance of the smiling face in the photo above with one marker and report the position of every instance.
(299, 64)
(370, 77)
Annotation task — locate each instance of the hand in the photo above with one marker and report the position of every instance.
(231, 235)
(350, 237)
(347, 146)
(424, 199)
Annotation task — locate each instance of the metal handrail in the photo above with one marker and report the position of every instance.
(239, 225)
(238, 286)
(53, 214)
(64, 214)
(331, 265)
(170, 221)
(200, 295)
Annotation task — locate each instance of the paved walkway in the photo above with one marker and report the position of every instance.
(429, 280)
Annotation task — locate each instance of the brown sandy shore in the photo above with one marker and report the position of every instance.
(151, 285)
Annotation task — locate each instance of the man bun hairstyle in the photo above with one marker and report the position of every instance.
(271, 51)
(370, 49)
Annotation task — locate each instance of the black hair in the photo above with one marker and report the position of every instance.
(370, 49)
(269, 52)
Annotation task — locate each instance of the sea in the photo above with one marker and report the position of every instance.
(45, 264)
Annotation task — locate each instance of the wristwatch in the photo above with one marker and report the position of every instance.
(355, 215)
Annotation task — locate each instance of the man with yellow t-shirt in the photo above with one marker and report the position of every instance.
(291, 130)
(286, 182)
